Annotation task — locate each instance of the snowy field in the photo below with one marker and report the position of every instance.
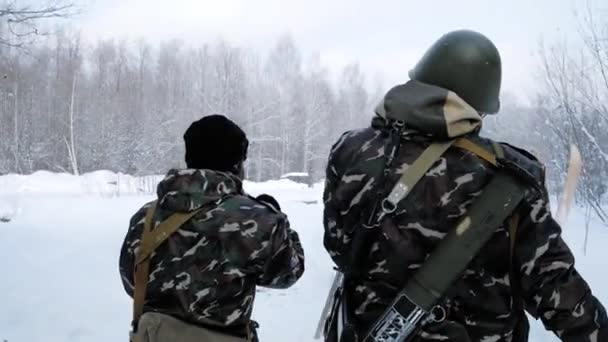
(59, 259)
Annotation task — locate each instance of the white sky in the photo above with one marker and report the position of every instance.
(385, 36)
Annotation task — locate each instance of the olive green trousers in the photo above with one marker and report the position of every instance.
(157, 327)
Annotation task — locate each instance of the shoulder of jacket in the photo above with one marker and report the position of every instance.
(268, 206)
(518, 161)
(348, 138)
(140, 215)
(525, 162)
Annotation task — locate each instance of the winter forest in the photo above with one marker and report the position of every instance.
(73, 105)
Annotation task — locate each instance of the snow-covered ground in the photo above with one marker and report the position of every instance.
(59, 256)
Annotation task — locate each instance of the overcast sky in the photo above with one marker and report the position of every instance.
(385, 36)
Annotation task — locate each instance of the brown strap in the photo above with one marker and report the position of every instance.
(479, 151)
(150, 240)
(140, 277)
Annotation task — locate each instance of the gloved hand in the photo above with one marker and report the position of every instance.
(269, 200)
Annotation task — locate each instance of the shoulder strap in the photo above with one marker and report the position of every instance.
(151, 238)
(513, 222)
(140, 277)
(413, 174)
(426, 288)
(493, 158)
(384, 205)
(418, 169)
(496, 204)
(446, 263)
(479, 151)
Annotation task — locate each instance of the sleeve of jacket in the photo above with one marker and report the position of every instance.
(285, 264)
(335, 238)
(129, 247)
(552, 288)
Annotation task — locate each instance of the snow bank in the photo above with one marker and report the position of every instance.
(95, 183)
(14, 189)
(108, 183)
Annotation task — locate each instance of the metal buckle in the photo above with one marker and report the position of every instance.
(388, 207)
(438, 314)
(398, 124)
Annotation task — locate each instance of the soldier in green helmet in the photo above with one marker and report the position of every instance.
(525, 265)
(467, 63)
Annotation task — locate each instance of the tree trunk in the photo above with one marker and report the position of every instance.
(16, 122)
(72, 145)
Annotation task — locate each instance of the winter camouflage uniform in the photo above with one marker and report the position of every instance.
(209, 269)
(482, 305)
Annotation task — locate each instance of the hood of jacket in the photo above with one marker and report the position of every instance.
(430, 110)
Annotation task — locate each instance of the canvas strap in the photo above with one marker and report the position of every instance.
(495, 205)
(426, 288)
(513, 221)
(151, 238)
(450, 258)
(413, 174)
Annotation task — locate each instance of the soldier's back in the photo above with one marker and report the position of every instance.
(480, 303)
(208, 270)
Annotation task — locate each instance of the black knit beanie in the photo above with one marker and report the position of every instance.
(216, 143)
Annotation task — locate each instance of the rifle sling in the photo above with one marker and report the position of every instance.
(494, 206)
(151, 238)
(450, 258)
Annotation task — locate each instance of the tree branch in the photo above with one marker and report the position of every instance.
(22, 21)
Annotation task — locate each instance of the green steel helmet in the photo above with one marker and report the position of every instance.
(467, 63)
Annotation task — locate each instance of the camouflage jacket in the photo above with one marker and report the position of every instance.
(482, 304)
(209, 269)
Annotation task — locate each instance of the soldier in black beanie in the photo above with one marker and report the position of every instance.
(216, 143)
(227, 243)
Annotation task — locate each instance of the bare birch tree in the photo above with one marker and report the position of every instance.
(576, 103)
